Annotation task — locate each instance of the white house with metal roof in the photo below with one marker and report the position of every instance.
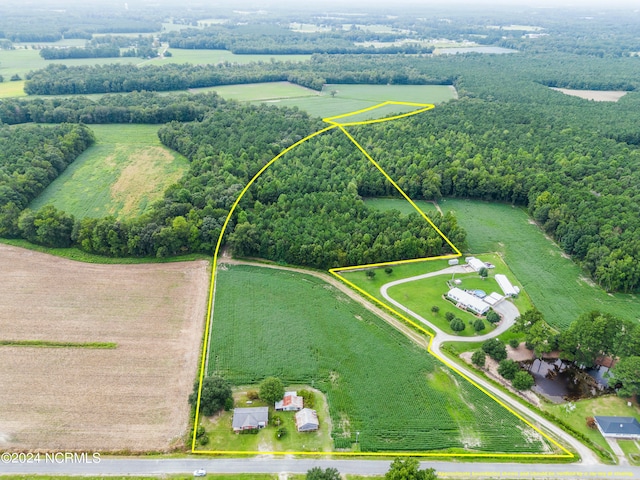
(468, 301)
(619, 427)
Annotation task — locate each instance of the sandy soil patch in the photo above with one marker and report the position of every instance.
(597, 95)
(133, 397)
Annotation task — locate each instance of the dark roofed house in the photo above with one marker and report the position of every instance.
(619, 427)
(250, 418)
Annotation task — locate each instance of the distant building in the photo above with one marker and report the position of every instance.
(251, 418)
(291, 402)
(508, 289)
(307, 420)
(475, 263)
(619, 427)
(468, 301)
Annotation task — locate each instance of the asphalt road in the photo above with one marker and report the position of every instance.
(140, 466)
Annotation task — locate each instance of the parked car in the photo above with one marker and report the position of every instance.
(201, 472)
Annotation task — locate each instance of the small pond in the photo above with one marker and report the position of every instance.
(561, 381)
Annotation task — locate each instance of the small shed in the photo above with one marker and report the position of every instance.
(291, 402)
(619, 427)
(251, 418)
(475, 263)
(307, 420)
(454, 261)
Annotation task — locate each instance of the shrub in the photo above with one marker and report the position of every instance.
(308, 397)
(508, 369)
(478, 325)
(457, 325)
(253, 395)
(281, 432)
(435, 309)
(478, 358)
(522, 381)
(388, 270)
(493, 317)
(514, 343)
(449, 316)
(591, 423)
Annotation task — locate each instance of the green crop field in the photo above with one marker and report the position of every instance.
(251, 92)
(126, 170)
(294, 326)
(350, 98)
(553, 282)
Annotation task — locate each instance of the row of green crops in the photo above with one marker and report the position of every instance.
(294, 326)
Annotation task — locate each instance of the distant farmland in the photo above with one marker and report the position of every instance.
(125, 171)
(377, 382)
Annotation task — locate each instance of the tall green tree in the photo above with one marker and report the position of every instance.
(271, 390)
(627, 372)
(317, 473)
(216, 393)
(409, 469)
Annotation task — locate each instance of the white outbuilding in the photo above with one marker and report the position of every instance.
(475, 263)
(468, 301)
(506, 286)
(493, 298)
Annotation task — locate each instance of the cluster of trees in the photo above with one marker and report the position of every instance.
(101, 51)
(508, 369)
(136, 107)
(591, 336)
(272, 39)
(400, 469)
(216, 395)
(31, 157)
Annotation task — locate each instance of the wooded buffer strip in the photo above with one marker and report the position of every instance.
(270, 39)
(136, 107)
(31, 157)
(63, 80)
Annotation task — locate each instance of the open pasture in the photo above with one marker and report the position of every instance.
(12, 89)
(204, 56)
(350, 98)
(377, 382)
(259, 92)
(596, 95)
(124, 172)
(131, 397)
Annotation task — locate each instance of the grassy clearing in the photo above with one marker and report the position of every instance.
(251, 92)
(360, 363)
(124, 172)
(12, 89)
(609, 405)
(49, 344)
(555, 284)
(350, 98)
(404, 207)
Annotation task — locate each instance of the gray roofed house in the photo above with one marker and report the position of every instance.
(250, 418)
(618, 427)
(307, 420)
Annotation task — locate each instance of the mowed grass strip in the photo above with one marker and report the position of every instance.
(124, 172)
(270, 322)
(557, 286)
(52, 344)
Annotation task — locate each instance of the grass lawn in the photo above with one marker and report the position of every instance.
(259, 91)
(555, 284)
(12, 89)
(609, 405)
(631, 449)
(125, 171)
(421, 295)
(222, 437)
(290, 325)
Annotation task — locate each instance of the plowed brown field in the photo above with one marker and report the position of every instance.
(133, 397)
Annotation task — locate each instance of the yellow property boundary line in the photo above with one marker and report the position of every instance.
(332, 121)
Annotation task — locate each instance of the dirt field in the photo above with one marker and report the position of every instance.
(597, 95)
(133, 397)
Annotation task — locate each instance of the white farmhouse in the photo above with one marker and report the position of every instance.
(468, 301)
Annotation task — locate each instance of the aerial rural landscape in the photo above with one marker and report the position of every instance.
(261, 240)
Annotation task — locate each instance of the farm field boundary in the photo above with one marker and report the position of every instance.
(341, 122)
